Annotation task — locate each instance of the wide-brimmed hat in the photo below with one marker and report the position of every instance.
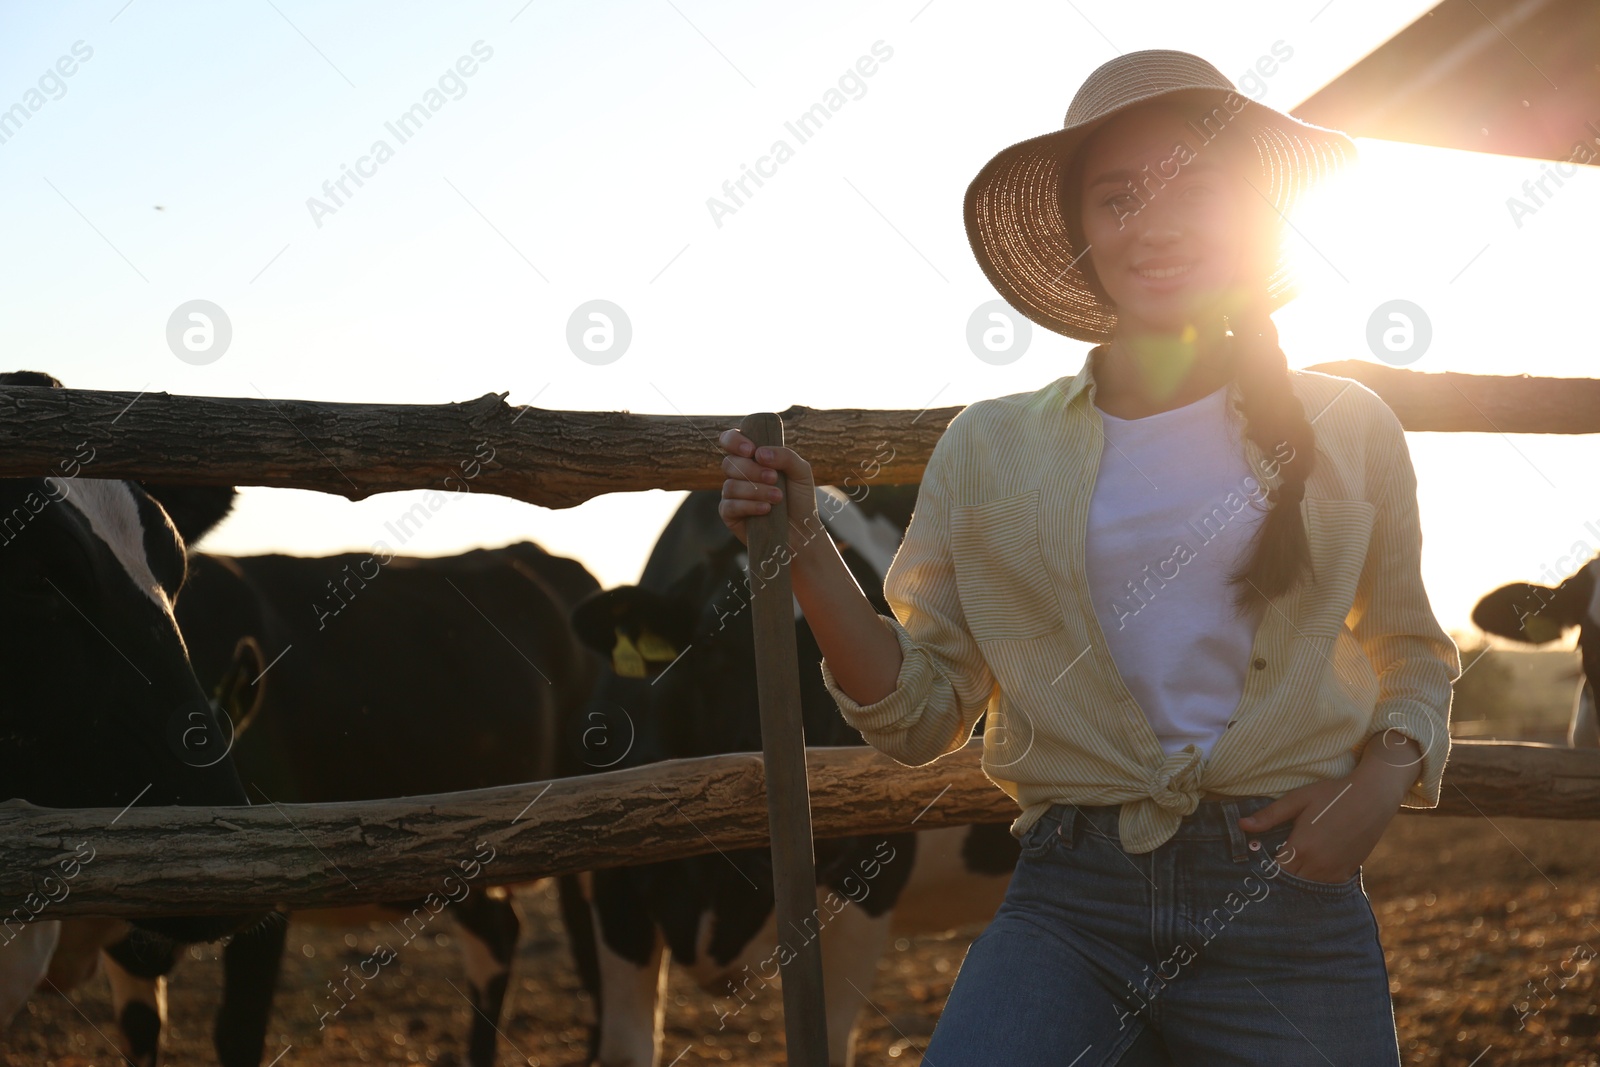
(1013, 207)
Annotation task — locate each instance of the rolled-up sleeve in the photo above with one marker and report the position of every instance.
(1415, 660)
(944, 684)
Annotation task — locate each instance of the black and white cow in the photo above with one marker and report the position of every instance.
(1536, 614)
(387, 676)
(101, 705)
(681, 683)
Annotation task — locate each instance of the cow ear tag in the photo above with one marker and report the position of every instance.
(652, 646)
(1538, 629)
(625, 658)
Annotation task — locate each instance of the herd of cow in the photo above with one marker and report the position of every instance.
(434, 675)
(346, 678)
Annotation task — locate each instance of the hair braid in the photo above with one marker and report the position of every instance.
(1279, 553)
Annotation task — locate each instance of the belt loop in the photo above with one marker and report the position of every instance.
(1239, 845)
(1068, 830)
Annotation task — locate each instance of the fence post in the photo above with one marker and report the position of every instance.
(783, 749)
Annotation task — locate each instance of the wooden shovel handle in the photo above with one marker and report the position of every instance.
(783, 747)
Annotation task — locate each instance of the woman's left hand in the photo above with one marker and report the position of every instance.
(1338, 822)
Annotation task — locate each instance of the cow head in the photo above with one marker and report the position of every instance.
(101, 706)
(689, 651)
(680, 682)
(1536, 614)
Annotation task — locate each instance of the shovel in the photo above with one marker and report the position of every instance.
(783, 746)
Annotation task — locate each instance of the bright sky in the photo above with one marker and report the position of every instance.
(575, 162)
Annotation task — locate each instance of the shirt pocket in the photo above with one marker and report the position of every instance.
(1339, 534)
(1005, 588)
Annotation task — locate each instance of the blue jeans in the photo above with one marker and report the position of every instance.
(1202, 953)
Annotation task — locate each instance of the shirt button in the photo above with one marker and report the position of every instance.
(1260, 664)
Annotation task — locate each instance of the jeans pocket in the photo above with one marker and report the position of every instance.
(1042, 837)
(1349, 885)
(1274, 839)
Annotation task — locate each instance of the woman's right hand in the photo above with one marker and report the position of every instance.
(751, 485)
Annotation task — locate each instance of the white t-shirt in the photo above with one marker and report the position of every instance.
(1174, 507)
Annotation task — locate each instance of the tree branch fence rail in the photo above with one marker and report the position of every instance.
(190, 860)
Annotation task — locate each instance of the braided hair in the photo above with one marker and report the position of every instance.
(1279, 553)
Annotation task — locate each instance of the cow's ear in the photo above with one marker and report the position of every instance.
(1534, 614)
(242, 689)
(639, 631)
(194, 509)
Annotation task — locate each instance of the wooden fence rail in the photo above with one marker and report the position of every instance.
(149, 861)
(560, 459)
(160, 860)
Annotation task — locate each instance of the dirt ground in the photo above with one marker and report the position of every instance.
(1488, 926)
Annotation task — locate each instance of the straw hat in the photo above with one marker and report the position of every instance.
(1013, 207)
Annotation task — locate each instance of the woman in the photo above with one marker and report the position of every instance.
(1181, 671)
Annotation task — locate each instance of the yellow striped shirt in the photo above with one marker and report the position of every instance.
(992, 613)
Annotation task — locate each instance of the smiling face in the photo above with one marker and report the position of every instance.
(1175, 231)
